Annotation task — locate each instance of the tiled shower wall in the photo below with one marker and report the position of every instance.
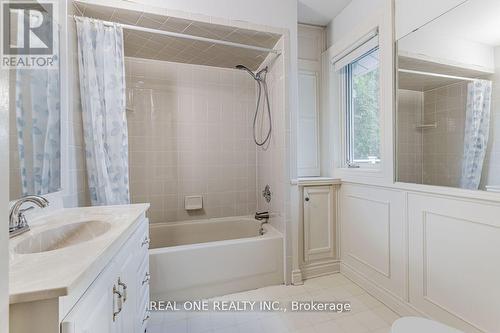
(190, 134)
(432, 155)
(443, 146)
(409, 137)
(271, 158)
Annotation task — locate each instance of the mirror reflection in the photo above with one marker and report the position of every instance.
(35, 125)
(448, 111)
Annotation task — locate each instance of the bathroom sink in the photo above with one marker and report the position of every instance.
(62, 237)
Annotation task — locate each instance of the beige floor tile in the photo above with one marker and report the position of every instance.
(368, 315)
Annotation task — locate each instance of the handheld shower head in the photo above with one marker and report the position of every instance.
(244, 68)
(260, 77)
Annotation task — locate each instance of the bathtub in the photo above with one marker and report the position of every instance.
(191, 260)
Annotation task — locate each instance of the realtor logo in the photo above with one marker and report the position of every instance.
(28, 34)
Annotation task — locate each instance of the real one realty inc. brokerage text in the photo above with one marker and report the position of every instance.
(250, 306)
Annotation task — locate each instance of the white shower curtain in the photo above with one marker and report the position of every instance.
(102, 88)
(38, 124)
(477, 128)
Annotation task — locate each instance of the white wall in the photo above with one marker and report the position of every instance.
(4, 200)
(357, 11)
(411, 14)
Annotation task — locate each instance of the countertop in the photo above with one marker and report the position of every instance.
(51, 274)
(316, 181)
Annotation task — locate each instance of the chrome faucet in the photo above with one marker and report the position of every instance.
(263, 217)
(17, 221)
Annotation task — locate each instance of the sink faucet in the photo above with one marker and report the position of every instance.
(17, 221)
(263, 217)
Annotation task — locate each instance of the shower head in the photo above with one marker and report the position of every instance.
(256, 76)
(244, 68)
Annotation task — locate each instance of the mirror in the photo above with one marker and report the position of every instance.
(448, 94)
(35, 108)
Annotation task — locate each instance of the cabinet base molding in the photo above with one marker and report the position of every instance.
(321, 268)
(395, 303)
(297, 277)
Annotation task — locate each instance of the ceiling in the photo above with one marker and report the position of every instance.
(419, 82)
(160, 47)
(319, 12)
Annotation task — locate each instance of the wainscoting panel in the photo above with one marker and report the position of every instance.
(454, 261)
(372, 231)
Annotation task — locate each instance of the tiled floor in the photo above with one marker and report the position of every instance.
(367, 316)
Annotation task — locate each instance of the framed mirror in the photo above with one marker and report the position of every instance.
(448, 100)
(35, 158)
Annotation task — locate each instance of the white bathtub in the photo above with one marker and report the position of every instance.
(191, 260)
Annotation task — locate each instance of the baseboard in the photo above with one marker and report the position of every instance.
(321, 268)
(395, 303)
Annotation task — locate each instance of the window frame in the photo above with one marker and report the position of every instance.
(347, 110)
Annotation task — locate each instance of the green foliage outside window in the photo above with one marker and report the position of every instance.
(365, 114)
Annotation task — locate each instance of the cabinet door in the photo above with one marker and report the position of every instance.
(126, 281)
(94, 312)
(132, 267)
(319, 218)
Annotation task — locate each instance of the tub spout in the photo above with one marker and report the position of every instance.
(263, 217)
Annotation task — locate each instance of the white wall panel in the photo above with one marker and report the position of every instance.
(308, 134)
(372, 230)
(453, 259)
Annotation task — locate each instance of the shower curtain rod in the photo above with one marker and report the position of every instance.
(191, 37)
(436, 75)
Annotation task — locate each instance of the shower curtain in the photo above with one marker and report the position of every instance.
(102, 89)
(477, 127)
(38, 126)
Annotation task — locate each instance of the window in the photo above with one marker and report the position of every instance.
(362, 110)
(360, 95)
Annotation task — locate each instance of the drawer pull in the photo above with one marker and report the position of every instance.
(146, 241)
(147, 277)
(124, 286)
(119, 301)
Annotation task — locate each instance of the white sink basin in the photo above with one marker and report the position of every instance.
(61, 237)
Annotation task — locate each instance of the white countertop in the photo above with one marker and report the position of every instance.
(316, 181)
(55, 273)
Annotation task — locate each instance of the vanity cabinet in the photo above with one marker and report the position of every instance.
(117, 300)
